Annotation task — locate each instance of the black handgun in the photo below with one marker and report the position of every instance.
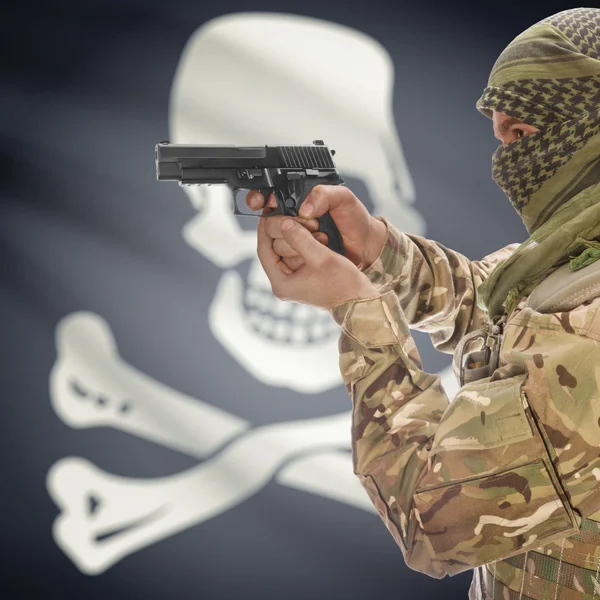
(290, 172)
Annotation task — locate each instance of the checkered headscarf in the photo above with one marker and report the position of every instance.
(549, 77)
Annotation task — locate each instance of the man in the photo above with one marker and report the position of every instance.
(505, 478)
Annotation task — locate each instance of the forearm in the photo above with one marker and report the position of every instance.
(396, 411)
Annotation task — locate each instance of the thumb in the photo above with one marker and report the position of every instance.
(322, 199)
(302, 241)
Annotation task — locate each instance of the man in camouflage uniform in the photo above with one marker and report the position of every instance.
(503, 479)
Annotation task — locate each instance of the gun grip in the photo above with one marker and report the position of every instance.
(327, 225)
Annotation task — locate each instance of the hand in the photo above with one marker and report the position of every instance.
(326, 279)
(363, 235)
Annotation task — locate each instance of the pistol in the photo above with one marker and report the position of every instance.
(289, 172)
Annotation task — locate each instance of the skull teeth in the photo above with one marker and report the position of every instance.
(286, 322)
(299, 334)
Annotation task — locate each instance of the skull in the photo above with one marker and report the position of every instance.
(270, 79)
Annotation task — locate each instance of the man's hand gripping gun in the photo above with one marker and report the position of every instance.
(289, 172)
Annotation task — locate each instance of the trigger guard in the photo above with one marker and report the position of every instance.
(280, 210)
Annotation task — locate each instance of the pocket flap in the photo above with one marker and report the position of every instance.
(472, 522)
(484, 414)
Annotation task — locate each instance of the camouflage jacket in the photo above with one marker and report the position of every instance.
(512, 462)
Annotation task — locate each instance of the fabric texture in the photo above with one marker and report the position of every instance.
(548, 77)
(503, 478)
(508, 466)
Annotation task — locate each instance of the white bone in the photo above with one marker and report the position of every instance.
(130, 514)
(327, 474)
(90, 386)
(148, 510)
(88, 355)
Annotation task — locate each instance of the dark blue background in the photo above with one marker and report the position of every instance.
(83, 226)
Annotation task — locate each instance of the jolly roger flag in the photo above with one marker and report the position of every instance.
(176, 431)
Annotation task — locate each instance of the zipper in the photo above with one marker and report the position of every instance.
(533, 422)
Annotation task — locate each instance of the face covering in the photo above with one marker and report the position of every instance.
(548, 77)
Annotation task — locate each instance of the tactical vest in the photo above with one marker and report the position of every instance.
(567, 570)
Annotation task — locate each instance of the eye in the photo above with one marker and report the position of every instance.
(519, 133)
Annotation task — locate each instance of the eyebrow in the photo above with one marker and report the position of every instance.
(504, 126)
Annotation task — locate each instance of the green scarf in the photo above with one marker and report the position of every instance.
(548, 77)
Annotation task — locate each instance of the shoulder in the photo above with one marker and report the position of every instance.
(583, 320)
(499, 255)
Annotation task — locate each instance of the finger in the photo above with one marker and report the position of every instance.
(321, 237)
(302, 241)
(272, 201)
(254, 200)
(285, 268)
(270, 205)
(283, 249)
(311, 224)
(324, 198)
(273, 225)
(269, 260)
(294, 262)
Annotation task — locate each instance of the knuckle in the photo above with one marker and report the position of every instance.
(346, 194)
(281, 247)
(294, 262)
(261, 257)
(277, 291)
(280, 293)
(316, 193)
(273, 227)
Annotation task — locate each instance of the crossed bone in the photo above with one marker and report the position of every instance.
(105, 518)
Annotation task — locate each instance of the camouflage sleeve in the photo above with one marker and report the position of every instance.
(435, 286)
(457, 484)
